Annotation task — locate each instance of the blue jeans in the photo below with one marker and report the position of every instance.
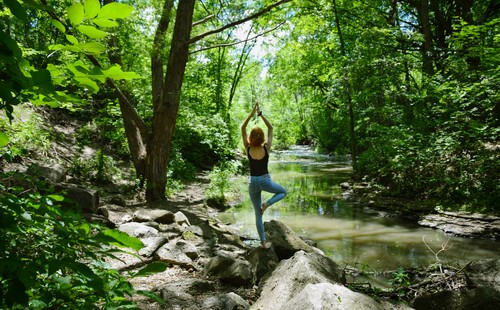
(255, 188)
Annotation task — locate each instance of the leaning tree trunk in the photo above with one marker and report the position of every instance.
(167, 105)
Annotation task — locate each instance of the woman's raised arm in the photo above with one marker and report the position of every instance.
(244, 126)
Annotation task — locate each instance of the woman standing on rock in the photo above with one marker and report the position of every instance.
(258, 155)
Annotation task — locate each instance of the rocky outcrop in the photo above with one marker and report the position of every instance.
(482, 293)
(334, 296)
(464, 224)
(312, 281)
(284, 241)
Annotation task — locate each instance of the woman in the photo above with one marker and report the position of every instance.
(260, 180)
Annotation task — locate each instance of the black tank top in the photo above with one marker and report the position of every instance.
(258, 167)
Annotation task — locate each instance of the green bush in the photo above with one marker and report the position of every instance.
(27, 135)
(102, 168)
(221, 181)
(51, 258)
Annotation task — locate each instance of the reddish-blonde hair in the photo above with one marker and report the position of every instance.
(256, 137)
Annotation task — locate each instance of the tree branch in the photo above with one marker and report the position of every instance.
(203, 20)
(238, 42)
(238, 22)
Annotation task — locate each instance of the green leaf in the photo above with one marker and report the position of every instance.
(91, 85)
(115, 10)
(42, 79)
(92, 48)
(92, 32)
(4, 139)
(58, 25)
(72, 39)
(92, 8)
(17, 10)
(104, 22)
(152, 296)
(76, 13)
(154, 267)
(119, 238)
(116, 73)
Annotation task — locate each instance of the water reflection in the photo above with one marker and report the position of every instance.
(314, 208)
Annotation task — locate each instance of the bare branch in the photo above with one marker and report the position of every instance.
(238, 42)
(238, 22)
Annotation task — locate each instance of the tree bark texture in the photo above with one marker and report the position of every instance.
(166, 108)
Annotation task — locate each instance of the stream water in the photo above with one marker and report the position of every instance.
(350, 235)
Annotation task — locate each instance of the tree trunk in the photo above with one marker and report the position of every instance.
(165, 111)
(427, 64)
(352, 132)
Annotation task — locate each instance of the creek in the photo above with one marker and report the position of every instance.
(350, 234)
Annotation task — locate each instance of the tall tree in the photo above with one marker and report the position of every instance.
(152, 145)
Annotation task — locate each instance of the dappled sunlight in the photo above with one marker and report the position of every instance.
(314, 209)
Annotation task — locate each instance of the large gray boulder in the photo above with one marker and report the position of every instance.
(263, 261)
(481, 298)
(87, 199)
(284, 240)
(328, 296)
(483, 293)
(229, 270)
(183, 294)
(483, 273)
(291, 276)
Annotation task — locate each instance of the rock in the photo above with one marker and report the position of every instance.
(284, 240)
(187, 248)
(151, 244)
(118, 200)
(54, 173)
(153, 215)
(229, 301)
(181, 219)
(101, 219)
(333, 296)
(87, 199)
(464, 224)
(173, 253)
(292, 275)
(263, 261)
(229, 270)
(180, 294)
(483, 273)
(481, 298)
(138, 230)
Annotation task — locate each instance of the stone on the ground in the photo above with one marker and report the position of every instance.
(182, 294)
(87, 199)
(483, 293)
(151, 244)
(229, 301)
(263, 261)
(138, 230)
(484, 273)
(173, 253)
(327, 296)
(153, 215)
(292, 275)
(181, 219)
(481, 298)
(54, 173)
(284, 240)
(229, 270)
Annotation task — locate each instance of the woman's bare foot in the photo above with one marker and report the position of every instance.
(264, 245)
(264, 207)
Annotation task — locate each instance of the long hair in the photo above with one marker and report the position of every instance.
(256, 137)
